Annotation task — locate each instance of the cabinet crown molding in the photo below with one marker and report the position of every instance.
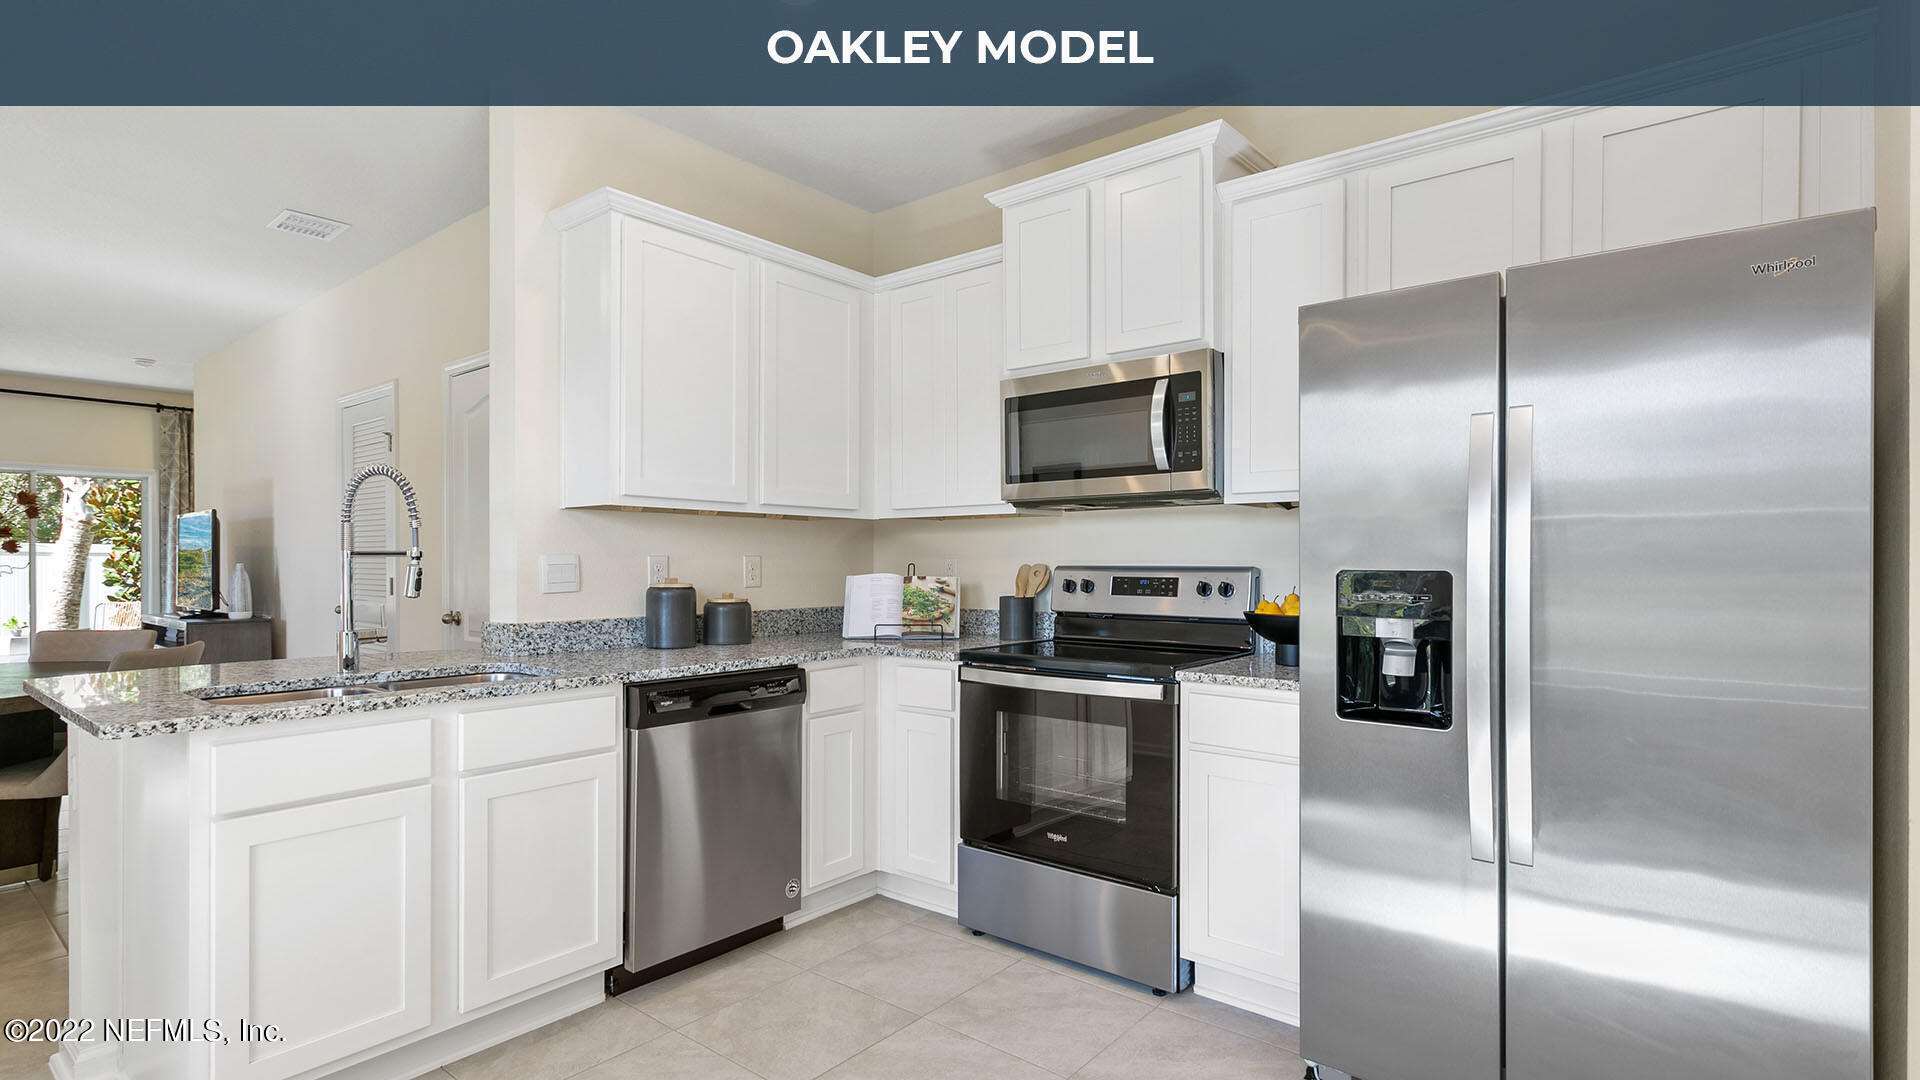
(1227, 144)
(608, 200)
(952, 264)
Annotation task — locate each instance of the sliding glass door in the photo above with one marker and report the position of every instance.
(73, 552)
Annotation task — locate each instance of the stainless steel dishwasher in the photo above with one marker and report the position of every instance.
(713, 817)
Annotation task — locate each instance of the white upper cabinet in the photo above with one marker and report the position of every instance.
(1642, 175)
(938, 371)
(683, 365)
(1113, 258)
(811, 364)
(1285, 248)
(1049, 273)
(705, 369)
(1467, 209)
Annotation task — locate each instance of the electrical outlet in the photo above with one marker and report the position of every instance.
(750, 571)
(657, 569)
(953, 567)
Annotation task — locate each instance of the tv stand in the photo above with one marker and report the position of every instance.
(228, 640)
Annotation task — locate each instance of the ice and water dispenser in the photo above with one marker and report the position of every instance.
(1395, 652)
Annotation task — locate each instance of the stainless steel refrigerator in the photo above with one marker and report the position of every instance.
(1586, 742)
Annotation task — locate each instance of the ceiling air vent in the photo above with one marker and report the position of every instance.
(299, 224)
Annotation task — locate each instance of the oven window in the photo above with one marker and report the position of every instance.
(1085, 432)
(1075, 781)
(1073, 766)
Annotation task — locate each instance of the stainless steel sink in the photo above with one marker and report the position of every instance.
(274, 697)
(469, 679)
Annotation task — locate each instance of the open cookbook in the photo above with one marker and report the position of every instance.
(901, 606)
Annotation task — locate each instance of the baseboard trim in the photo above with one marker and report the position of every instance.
(910, 891)
(418, 1058)
(1271, 1000)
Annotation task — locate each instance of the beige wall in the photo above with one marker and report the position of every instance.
(960, 219)
(989, 550)
(266, 449)
(543, 158)
(42, 431)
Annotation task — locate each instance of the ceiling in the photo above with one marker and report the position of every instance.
(877, 157)
(142, 232)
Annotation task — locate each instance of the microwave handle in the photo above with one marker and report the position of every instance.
(1157, 425)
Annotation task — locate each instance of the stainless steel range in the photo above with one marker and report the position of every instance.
(1069, 765)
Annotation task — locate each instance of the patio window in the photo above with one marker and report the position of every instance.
(72, 552)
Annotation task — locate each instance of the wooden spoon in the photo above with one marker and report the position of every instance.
(1020, 579)
(1038, 578)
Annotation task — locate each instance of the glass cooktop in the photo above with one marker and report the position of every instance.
(1068, 656)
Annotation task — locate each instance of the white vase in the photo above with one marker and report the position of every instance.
(240, 594)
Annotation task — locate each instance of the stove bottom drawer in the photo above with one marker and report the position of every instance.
(1120, 929)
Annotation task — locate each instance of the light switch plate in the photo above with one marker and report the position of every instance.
(559, 573)
(657, 570)
(750, 571)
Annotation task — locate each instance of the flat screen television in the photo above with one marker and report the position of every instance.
(196, 568)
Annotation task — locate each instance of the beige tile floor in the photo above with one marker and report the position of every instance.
(876, 991)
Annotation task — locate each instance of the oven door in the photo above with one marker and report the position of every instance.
(1137, 430)
(1072, 772)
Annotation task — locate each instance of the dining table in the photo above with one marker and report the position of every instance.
(30, 731)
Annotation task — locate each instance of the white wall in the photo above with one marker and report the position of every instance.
(266, 452)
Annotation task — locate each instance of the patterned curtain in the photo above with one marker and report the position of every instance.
(172, 496)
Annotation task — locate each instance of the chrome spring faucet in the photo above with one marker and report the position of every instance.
(349, 635)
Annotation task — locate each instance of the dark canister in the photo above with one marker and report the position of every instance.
(670, 616)
(728, 621)
(1016, 618)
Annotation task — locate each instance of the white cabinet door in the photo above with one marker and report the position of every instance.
(1049, 266)
(685, 362)
(810, 390)
(540, 888)
(1644, 174)
(321, 924)
(918, 822)
(1468, 209)
(979, 346)
(834, 800)
(1240, 872)
(922, 379)
(1288, 248)
(1155, 256)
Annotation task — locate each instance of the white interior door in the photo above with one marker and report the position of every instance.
(366, 438)
(466, 555)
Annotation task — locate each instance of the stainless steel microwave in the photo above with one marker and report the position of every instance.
(1135, 433)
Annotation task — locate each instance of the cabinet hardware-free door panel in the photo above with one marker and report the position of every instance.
(1049, 267)
(810, 389)
(835, 798)
(1450, 213)
(539, 876)
(918, 823)
(685, 365)
(321, 925)
(923, 383)
(1240, 884)
(1155, 255)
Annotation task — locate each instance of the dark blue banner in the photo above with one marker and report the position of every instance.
(987, 52)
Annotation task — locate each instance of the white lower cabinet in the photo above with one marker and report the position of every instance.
(322, 925)
(1240, 847)
(919, 827)
(835, 771)
(539, 860)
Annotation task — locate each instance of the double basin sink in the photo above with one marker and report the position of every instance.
(241, 696)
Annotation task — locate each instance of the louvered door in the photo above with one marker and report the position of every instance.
(366, 438)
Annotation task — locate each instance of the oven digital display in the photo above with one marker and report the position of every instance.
(1146, 586)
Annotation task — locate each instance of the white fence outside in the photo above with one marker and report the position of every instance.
(96, 611)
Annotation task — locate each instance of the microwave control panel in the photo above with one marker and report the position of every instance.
(1185, 419)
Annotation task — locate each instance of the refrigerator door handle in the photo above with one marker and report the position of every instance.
(1477, 643)
(1519, 634)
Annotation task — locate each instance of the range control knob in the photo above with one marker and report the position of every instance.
(1225, 588)
(1086, 585)
(1203, 588)
(1068, 585)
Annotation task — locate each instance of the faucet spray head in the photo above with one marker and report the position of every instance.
(415, 576)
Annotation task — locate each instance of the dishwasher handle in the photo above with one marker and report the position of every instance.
(684, 700)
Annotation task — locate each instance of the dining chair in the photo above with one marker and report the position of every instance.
(137, 659)
(39, 784)
(79, 646)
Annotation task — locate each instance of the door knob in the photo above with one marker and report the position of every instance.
(450, 618)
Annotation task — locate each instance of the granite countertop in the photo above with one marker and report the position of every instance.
(161, 701)
(1260, 670)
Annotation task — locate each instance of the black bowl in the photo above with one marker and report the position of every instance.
(1279, 629)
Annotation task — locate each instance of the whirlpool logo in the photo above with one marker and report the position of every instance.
(1783, 266)
(1056, 838)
